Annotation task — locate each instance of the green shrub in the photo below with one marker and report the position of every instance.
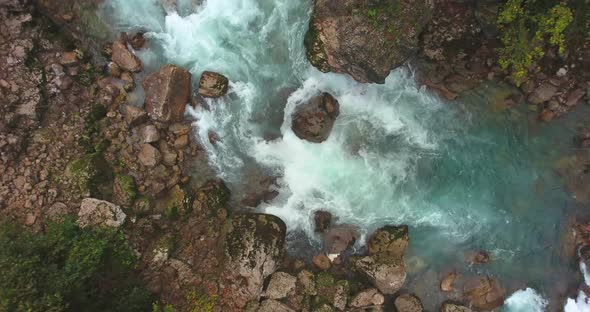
(526, 30)
(66, 268)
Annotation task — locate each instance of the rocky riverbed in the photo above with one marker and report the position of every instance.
(74, 141)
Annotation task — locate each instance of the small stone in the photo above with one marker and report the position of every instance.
(114, 69)
(149, 134)
(129, 82)
(213, 84)
(451, 307)
(561, 72)
(181, 142)
(180, 128)
(134, 115)
(446, 284)
(547, 115)
(69, 59)
(321, 261)
(408, 303)
(366, 298)
(30, 219)
(149, 156)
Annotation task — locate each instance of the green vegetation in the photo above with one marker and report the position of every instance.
(66, 268)
(527, 29)
(201, 302)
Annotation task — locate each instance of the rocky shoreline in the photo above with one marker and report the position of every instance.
(72, 144)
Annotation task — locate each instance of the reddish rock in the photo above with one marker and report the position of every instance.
(484, 293)
(125, 58)
(213, 85)
(321, 261)
(547, 115)
(167, 91)
(313, 121)
(338, 239)
(446, 284)
(149, 156)
(134, 115)
(479, 257)
(322, 221)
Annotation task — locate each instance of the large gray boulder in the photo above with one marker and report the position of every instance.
(365, 39)
(253, 249)
(96, 212)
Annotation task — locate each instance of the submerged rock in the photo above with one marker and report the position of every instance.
(365, 39)
(167, 91)
(125, 58)
(213, 85)
(322, 221)
(388, 277)
(446, 284)
(96, 212)
(313, 121)
(408, 303)
(484, 293)
(254, 249)
(451, 307)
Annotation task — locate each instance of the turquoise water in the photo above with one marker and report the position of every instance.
(464, 176)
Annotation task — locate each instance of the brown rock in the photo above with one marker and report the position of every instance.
(451, 307)
(338, 239)
(167, 91)
(408, 303)
(367, 298)
(149, 134)
(547, 115)
(484, 293)
(543, 93)
(149, 156)
(575, 97)
(213, 85)
(480, 257)
(125, 58)
(69, 59)
(137, 41)
(322, 220)
(313, 121)
(134, 115)
(181, 141)
(447, 282)
(321, 261)
(389, 242)
(388, 277)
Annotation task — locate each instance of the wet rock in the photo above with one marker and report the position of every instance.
(480, 257)
(364, 39)
(547, 115)
(389, 242)
(281, 285)
(306, 283)
(134, 115)
(138, 41)
(274, 306)
(367, 298)
(95, 212)
(321, 261)
(388, 277)
(128, 81)
(543, 93)
(254, 249)
(446, 284)
(125, 58)
(313, 121)
(149, 156)
(484, 293)
(124, 190)
(167, 91)
(451, 307)
(149, 134)
(339, 239)
(213, 85)
(181, 142)
(322, 221)
(211, 198)
(408, 303)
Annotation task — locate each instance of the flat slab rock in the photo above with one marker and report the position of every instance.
(96, 212)
(167, 92)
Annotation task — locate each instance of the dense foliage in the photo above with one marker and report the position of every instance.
(527, 29)
(66, 268)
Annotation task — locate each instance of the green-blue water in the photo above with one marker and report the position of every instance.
(464, 176)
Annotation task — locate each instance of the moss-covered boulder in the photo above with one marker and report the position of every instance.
(124, 190)
(365, 39)
(91, 175)
(389, 242)
(211, 198)
(175, 203)
(253, 249)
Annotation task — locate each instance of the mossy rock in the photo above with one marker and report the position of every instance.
(176, 203)
(211, 198)
(91, 175)
(124, 190)
(315, 49)
(389, 242)
(142, 205)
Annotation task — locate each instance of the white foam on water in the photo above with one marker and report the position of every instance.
(582, 302)
(525, 300)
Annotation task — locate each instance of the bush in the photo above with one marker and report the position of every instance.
(66, 268)
(526, 30)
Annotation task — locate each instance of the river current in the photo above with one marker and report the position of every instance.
(464, 175)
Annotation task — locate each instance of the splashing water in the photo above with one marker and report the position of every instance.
(462, 175)
(527, 300)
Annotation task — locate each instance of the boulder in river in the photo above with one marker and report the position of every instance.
(313, 121)
(213, 85)
(389, 241)
(253, 249)
(365, 39)
(125, 58)
(484, 293)
(322, 221)
(167, 91)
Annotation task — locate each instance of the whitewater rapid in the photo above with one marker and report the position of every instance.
(461, 175)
